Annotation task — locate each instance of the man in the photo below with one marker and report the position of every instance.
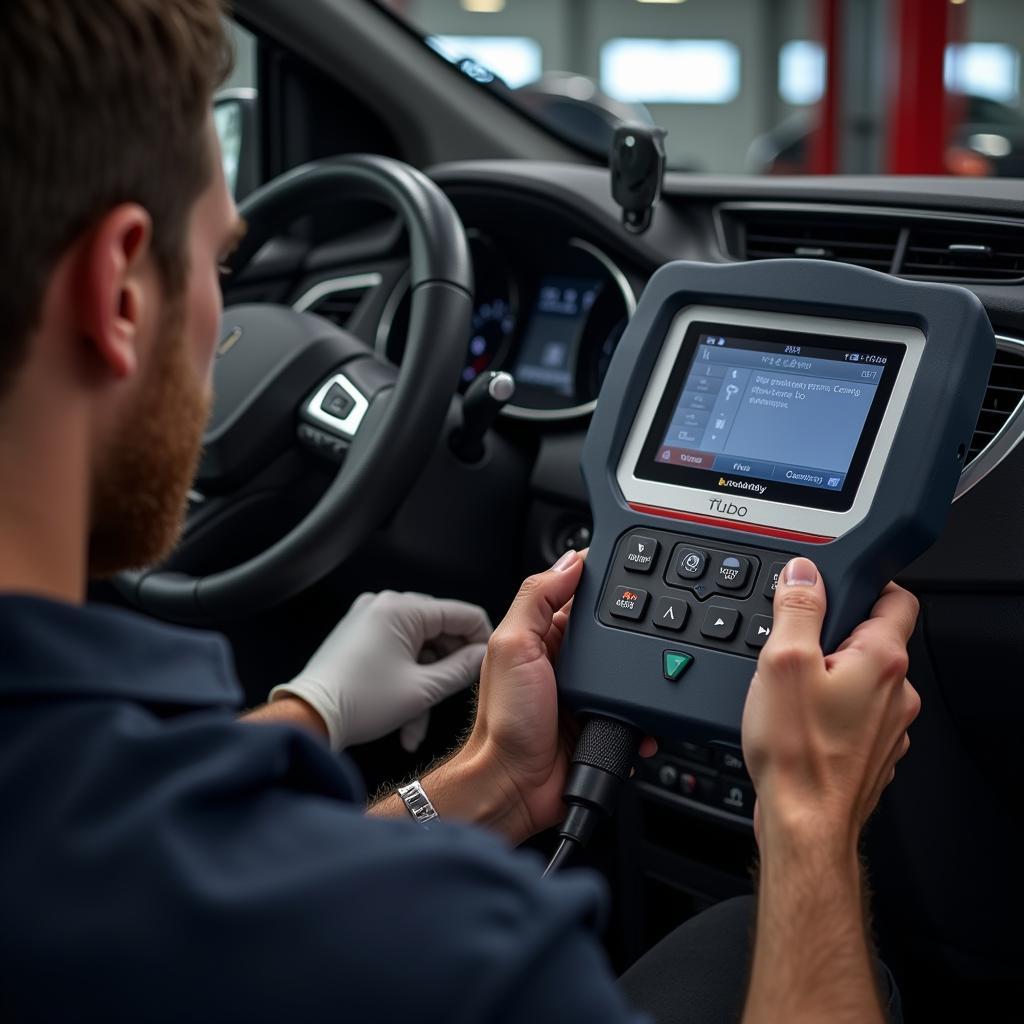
(160, 862)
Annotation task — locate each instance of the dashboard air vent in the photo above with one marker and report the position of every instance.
(1004, 394)
(950, 251)
(774, 235)
(338, 299)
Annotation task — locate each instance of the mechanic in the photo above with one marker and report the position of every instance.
(160, 862)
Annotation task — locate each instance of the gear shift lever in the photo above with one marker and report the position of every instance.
(484, 399)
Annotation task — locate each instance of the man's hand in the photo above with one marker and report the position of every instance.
(388, 661)
(822, 735)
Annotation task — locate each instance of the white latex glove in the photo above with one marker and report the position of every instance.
(387, 662)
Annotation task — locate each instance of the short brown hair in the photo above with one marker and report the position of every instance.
(101, 102)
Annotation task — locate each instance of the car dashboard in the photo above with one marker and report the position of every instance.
(557, 278)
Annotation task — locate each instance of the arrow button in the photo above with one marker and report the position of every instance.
(758, 631)
(720, 623)
(675, 663)
(670, 613)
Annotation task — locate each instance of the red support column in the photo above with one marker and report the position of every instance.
(824, 142)
(919, 116)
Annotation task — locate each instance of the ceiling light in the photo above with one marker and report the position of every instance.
(483, 6)
(684, 1)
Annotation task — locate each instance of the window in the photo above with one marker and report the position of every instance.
(670, 70)
(516, 60)
(801, 72)
(988, 70)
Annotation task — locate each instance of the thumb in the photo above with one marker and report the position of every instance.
(799, 608)
(533, 610)
(455, 672)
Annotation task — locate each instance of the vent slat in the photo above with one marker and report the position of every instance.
(929, 254)
(840, 239)
(1003, 395)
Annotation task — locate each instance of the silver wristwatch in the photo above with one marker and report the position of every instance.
(417, 803)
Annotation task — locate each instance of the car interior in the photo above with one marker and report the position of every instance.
(795, 128)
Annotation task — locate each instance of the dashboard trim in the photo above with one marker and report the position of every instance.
(335, 286)
(1008, 437)
(573, 412)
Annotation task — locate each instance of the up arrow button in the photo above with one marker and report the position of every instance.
(675, 663)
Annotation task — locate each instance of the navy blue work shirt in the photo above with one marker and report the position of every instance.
(160, 861)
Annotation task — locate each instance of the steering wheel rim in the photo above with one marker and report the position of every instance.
(402, 422)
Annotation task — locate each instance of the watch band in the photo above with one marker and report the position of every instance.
(417, 803)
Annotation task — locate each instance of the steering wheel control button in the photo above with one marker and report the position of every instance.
(670, 613)
(351, 404)
(730, 760)
(675, 663)
(627, 603)
(690, 563)
(736, 797)
(337, 402)
(773, 579)
(720, 623)
(758, 631)
(641, 553)
(732, 572)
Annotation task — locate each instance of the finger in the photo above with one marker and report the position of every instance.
(893, 616)
(456, 672)
(799, 610)
(533, 611)
(446, 617)
(413, 733)
(553, 641)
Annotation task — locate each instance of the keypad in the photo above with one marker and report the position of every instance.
(701, 594)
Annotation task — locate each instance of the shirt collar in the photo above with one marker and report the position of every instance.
(52, 649)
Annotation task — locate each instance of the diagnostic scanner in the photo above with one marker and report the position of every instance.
(751, 413)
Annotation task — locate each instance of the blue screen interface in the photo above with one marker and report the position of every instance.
(789, 413)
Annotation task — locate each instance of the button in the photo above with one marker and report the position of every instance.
(690, 563)
(675, 663)
(773, 579)
(670, 613)
(720, 623)
(730, 760)
(758, 631)
(668, 775)
(337, 402)
(695, 752)
(640, 553)
(687, 783)
(735, 797)
(627, 603)
(733, 571)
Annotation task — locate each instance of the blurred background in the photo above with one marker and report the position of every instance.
(756, 86)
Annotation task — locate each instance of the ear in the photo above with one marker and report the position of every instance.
(115, 282)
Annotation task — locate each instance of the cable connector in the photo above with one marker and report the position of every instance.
(604, 756)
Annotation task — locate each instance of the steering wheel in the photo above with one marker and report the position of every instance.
(282, 376)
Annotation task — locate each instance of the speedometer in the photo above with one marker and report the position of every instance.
(495, 311)
(494, 315)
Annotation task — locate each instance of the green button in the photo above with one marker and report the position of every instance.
(675, 664)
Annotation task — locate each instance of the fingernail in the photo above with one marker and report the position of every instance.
(565, 561)
(801, 572)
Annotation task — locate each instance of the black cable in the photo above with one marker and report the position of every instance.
(560, 856)
(601, 763)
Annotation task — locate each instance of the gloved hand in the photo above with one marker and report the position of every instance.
(387, 662)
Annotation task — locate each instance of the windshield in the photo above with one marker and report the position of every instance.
(756, 86)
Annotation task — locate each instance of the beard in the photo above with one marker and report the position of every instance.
(140, 493)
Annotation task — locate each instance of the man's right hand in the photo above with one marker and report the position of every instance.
(822, 735)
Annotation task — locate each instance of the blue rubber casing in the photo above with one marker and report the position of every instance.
(619, 673)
